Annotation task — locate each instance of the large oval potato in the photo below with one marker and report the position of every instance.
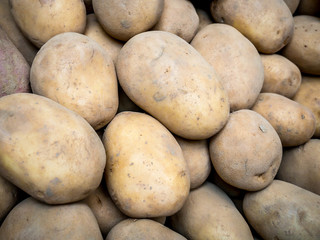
(268, 24)
(8, 197)
(283, 211)
(303, 49)
(235, 60)
(170, 80)
(31, 219)
(146, 173)
(47, 150)
(210, 214)
(294, 123)
(75, 71)
(43, 19)
(247, 152)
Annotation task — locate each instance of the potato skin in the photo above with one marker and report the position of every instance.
(283, 211)
(31, 219)
(294, 123)
(47, 150)
(146, 173)
(8, 197)
(170, 80)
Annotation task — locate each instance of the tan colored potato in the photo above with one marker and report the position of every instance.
(268, 24)
(204, 18)
(301, 166)
(294, 123)
(133, 229)
(247, 152)
(8, 197)
(292, 4)
(96, 32)
(281, 76)
(180, 18)
(123, 19)
(235, 60)
(40, 20)
(308, 7)
(308, 95)
(146, 173)
(31, 219)
(170, 80)
(210, 214)
(283, 211)
(196, 153)
(303, 49)
(47, 150)
(75, 71)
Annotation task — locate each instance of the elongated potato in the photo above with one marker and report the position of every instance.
(47, 150)
(8, 197)
(170, 80)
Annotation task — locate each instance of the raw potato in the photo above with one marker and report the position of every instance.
(268, 24)
(308, 95)
(8, 197)
(294, 123)
(210, 214)
(196, 153)
(303, 49)
(247, 152)
(281, 76)
(283, 211)
(170, 80)
(301, 166)
(235, 60)
(75, 71)
(31, 219)
(96, 32)
(146, 173)
(292, 4)
(40, 20)
(14, 69)
(47, 150)
(183, 25)
(123, 19)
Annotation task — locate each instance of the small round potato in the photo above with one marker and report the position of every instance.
(303, 49)
(294, 123)
(123, 19)
(247, 152)
(8, 197)
(281, 76)
(283, 211)
(40, 20)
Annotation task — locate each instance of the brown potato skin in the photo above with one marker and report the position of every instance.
(294, 123)
(308, 95)
(303, 48)
(247, 152)
(301, 166)
(8, 197)
(283, 211)
(31, 219)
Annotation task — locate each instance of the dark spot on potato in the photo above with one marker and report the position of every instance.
(305, 46)
(99, 201)
(182, 173)
(49, 192)
(55, 181)
(302, 116)
(131, 163)
(158, 97)
(278, 32)
(125, 24)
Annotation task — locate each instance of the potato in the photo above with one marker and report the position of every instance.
(146, 173)
(8, 24)
(204, 18)
(75, 71)
(196, 154)
(96, 32)
(132, 17)
(183, 25)
(292, 4)
(31, 219)
(283, 211)
(281, 76)
(43, 19)
(308, 7)
(303, 49)
(210, 214)
(235, 60)
(47, 150)
(8, 197)
(268, 24)
(301, 166)
(294, 123)
(247, 152)
(14, 69)
(170, 80)
(308, 95)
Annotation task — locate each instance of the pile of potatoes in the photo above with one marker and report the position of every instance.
(160, 119)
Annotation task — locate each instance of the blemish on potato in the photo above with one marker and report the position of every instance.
(158, 97)
(55, 181)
